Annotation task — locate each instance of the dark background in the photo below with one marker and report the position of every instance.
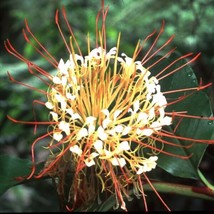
(191, 21)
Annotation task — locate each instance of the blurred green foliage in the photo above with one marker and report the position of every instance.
(190, 20)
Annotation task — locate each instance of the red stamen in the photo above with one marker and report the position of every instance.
(175, 70)
(170, 143)
(179, 99)
(53, 62)
(10, 49)
(154, 43)
(179, 114)
(156, 192)
(47, 169)
(104, 15)
(34, 114)
(97, 29)
(33, 156)
(162, 151)
(60, 31)
(71, 31)
(169, 134)
(40, 52)
(198, 88)
(142, 191)
(26, 85)
(41, 71)
(159, 49)
(144, 41)
(177, 125)
(161, 59)
(117, 187)
(103, 26)
(15, 53)
(30, 122)
(62, 141)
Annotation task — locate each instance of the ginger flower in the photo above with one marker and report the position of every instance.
(103, 114)
(107, 114)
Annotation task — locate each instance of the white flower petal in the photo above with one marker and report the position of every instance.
(90, 160)
(148, 165)
(64, 80)
(107, 154)
(126, 130)
(61, 100)
(101, 133)
(83, 132)
(146, 132)
(73, 115)
(56, 80)
(136, 105)
(70, 96)
(63, 105)
(118, 128)
(49, 105)
(94, 154)
(111, 52)
(128, 60)
(57, 136)
(116, 114)
(90, 119)
(156, 125)
(78, 58)
(61, 64)
(124, 145)
(54, 115)
(142, 117)
(64, 127)
(63, 67)
(106, 122)
(89, 163)
(76, 149)
(76, 116)
(98, 145)
(166, 121)
(59, 97)
(106, 112)
(111, 132)
(118, 161)
(96, 53)
(140, 170)
(91, 129)
(130, 111)
(151, 113)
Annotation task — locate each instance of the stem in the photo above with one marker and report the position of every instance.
(180, 189)
(205, 181)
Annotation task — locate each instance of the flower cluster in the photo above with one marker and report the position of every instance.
(102, 114)
(106, 117)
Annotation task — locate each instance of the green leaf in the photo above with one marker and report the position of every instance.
(197, 104)
(11, 171)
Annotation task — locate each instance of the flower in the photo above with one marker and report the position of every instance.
(138, 111)
(107, 114)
